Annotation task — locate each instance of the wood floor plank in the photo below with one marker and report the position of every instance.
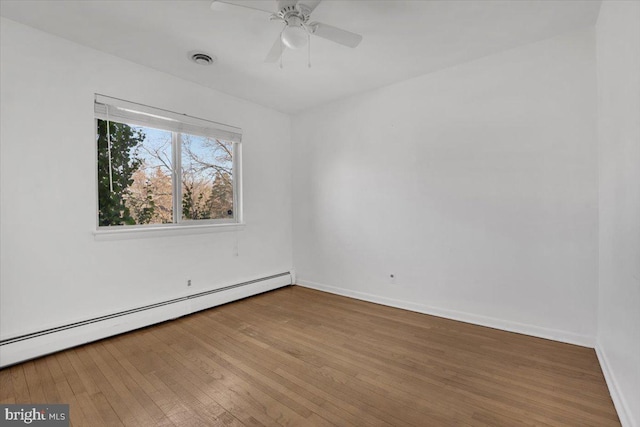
(51, 394)
(248, 393)
(361, 364)
(107, 392)
(129, 388)
(137, 414)
(251, 354)
(194, 388)
(76, 412)
(34, 385)
(107, 413)
(7, 393)
(306, 356)
(300, 357)
(551, 399)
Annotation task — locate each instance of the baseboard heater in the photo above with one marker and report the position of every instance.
(28, 346)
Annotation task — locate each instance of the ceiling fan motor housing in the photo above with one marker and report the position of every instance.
(290, 8)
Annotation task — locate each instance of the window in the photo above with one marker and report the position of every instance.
(158, 168)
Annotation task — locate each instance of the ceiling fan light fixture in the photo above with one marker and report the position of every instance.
(298, 25)
(294, 35)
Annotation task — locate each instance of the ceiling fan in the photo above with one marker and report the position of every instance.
(297, 29)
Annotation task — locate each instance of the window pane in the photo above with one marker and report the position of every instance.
(207, 178)
(134, 175)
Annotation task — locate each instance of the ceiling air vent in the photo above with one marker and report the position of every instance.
(201, 58)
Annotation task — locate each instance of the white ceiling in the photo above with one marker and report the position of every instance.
(402, 39)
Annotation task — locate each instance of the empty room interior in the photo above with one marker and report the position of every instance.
(320, 213)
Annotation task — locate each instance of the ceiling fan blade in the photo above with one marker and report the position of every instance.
(265, 6)
(337, 35)
(308, 5)
(276, 51)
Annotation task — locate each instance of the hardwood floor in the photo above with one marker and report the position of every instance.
(300, 357)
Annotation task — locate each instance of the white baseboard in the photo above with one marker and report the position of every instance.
(506, 325)
(13, 352)
(622, 407)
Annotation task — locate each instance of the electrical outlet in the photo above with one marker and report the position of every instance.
(188, 282)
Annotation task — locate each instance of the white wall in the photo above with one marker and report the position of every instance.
(618, 52)
(53, 270)
(475, 185)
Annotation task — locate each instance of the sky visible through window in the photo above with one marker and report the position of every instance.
(156, 150)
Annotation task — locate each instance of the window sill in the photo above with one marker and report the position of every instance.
(164, 231)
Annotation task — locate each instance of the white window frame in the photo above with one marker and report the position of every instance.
(133, 114)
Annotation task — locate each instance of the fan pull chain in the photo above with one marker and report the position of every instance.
(309, 49)
(281, 49)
